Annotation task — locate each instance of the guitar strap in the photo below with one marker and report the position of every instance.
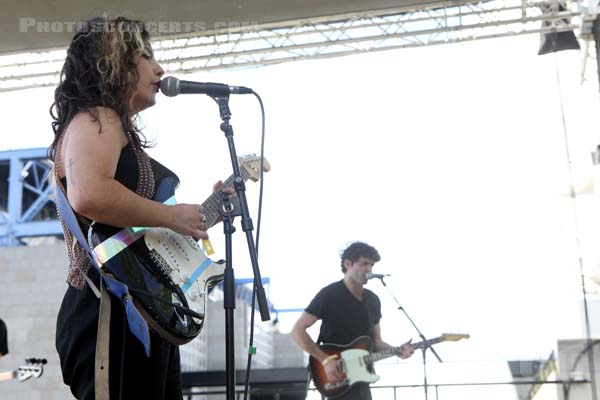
(137, 324)
(102, 385)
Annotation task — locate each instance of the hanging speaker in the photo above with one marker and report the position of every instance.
(554, 41)
(558, 41)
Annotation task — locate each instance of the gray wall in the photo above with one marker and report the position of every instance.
(32, 283)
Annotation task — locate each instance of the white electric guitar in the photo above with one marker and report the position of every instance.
(357, 363)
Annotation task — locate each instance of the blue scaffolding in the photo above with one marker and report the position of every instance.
(27, 207)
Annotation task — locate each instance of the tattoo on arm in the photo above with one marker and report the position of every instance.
(70, 179)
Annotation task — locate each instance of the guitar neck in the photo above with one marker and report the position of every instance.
(420, 345)
(394, 351)
(210, 207)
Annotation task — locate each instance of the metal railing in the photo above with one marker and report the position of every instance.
(436, 391)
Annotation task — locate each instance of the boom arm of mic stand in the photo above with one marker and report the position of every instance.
(425, 341)
(424, 348)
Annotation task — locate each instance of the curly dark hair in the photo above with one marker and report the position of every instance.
(357, 250)
(100, 70)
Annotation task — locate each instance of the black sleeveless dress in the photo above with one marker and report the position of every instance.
(132, 374)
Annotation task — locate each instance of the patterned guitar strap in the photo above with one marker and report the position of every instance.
(136, 322)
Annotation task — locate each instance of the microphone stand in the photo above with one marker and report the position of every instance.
(426, 344)
(231, 208)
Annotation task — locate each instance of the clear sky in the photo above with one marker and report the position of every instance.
(451, 160)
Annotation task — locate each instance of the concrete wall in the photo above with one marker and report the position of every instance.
(32, 283)
(287, 352)
(215, 328)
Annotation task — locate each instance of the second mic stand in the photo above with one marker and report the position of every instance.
(231, 208)
(426, 344)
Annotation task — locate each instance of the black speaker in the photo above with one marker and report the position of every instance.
(551, 42)
(558, 41)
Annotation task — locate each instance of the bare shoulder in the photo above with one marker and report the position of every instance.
(92, 145)
(108, 116)
(95, 135)
(99, 120)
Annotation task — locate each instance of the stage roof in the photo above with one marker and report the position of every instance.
(33, 25)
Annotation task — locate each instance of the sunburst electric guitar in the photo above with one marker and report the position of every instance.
(167, 273)
(357, 363)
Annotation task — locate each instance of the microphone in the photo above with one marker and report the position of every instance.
(171, 86)
(379, 276)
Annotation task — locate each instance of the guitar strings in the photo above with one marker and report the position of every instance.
(181, 308)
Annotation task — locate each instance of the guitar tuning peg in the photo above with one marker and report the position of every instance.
(33, 360)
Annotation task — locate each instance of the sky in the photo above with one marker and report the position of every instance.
(454, 161)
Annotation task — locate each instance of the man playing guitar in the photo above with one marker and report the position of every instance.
(347, 311)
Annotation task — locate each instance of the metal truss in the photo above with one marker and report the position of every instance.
(267, 44)
(340, 35)
(26, 206)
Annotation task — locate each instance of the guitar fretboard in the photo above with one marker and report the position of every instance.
(210, 207)
(394, 351)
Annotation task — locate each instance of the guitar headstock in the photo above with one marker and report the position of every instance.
(34, 367)
(453, 337)
(251, 164)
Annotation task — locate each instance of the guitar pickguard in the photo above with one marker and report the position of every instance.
(183, 260)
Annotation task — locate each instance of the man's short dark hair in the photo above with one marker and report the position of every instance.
(357, 250)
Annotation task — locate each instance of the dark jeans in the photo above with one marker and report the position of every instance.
(358, 391)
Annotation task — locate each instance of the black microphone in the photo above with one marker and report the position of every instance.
(379, 276)
(171, 86)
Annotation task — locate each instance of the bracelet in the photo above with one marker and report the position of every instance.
(329, 358)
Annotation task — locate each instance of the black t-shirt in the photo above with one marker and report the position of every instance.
(344, 317)
(3, 339)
